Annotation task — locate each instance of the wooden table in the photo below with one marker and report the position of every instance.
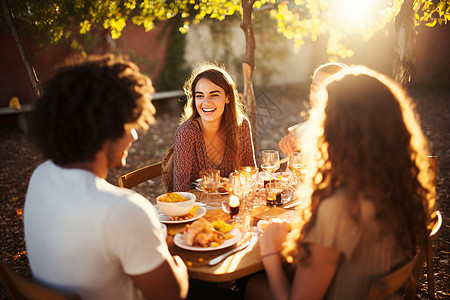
(237, 265)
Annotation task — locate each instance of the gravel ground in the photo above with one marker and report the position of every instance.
(277, 109)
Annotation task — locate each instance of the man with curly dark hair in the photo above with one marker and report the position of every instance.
(83, 234)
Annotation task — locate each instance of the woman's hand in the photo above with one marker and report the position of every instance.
(273, 237)
(287, 144)
(270, 245)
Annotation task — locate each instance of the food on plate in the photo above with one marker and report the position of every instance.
(222, 226)
(222, 190)
(202, 233)
(187, 216)
(172, 198)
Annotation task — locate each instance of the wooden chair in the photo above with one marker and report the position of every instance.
(426, 255)
(433, 161)
(433, 235)
(390, 283)
(138, 176)
(430, 267)
(22, 289)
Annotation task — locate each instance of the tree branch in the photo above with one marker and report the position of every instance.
(26, 60)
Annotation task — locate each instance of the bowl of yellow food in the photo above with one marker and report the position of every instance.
(176, 204)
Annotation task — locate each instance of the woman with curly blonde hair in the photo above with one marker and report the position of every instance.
(215, 133)
(370, 192)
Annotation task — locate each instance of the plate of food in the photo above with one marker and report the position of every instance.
(222, 190)
(205, 236)
(196, 213)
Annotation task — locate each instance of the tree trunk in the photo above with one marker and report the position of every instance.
(26, 60)
(404, 52)
(248, 66)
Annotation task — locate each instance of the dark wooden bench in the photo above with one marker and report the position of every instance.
(167, 95)
(25, 108)
(21, 114)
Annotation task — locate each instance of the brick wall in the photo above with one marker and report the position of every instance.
(145, 48)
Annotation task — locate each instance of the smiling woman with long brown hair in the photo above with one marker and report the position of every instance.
(215, 133)
(370, 192)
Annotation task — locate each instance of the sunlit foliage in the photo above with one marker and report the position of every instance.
(298, 20)
(432, 12)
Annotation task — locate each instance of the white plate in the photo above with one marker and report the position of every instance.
(199, 184)
(179, 241)
(200, 212)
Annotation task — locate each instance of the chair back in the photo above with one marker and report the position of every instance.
(138, 176)
(433, 161)
(22, 289)
(427, 253)
(391, 282)
(434, 233)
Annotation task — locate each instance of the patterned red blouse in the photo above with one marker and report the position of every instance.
(190, 156)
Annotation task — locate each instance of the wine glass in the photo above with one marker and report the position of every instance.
(296, 165)
(270, 162)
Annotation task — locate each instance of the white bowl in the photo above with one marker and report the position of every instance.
(177, 209)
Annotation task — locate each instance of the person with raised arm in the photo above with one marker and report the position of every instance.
(289, 143)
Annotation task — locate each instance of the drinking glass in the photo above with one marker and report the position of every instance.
(249, 171)
(231, 206)
(210, 180)
(297, 166)
(274, 192)
(236, 184)
(270, 162)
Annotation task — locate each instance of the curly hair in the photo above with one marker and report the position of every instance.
(365, 137)
(87, 102)
(233, 114)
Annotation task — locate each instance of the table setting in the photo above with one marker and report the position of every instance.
(224, 218)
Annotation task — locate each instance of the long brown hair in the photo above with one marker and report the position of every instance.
(233, 114)
(365, 137)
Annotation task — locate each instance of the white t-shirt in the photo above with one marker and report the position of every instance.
(84, 234)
